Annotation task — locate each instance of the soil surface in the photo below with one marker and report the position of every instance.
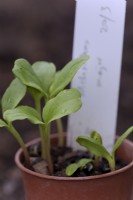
(39, 30)
(63, 157)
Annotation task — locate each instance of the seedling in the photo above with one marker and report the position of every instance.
(43, 82)
(72, 168)
(98, 151)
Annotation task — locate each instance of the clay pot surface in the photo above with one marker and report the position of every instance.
(117, 185)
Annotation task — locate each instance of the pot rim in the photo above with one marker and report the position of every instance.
(26, 170)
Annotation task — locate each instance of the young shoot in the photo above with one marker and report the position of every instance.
(11, 98)
(43, 82)
(72, 168)
(94, 145)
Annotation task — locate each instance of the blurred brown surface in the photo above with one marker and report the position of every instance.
(43, 30)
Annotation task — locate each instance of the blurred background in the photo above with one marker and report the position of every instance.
(43, 30)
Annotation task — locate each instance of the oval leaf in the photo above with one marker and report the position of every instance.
(71, 169)
(23, 70)
(64, 77)
(96, 136)
(13, 95)
(94, 147)
(45, 72)
(84, 161)
(22, 112)
(65, 103)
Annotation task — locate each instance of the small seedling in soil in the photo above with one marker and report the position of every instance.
(81, 164)
(101, 157)
(47, 85)
(52, 102)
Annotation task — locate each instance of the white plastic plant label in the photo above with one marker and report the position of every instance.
(99, 30)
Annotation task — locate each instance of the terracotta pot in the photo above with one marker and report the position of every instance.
(117, 185)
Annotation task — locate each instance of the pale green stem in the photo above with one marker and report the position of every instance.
(45, 137)
(112, 163)
(60, 132)
(96, 161)
(17, 136)
(48, 148)
(42, 136)
(41, 128)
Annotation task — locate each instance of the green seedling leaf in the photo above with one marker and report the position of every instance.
(72, 168)
(45, 71)
(96, 136)
(84, 161)
(22, 112)
(64, 77)
(23, 71)
(65, 103)
(93, 146)
(121, 139)
(2, 123)
(13, 95)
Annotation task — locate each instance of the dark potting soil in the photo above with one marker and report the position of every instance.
(64, 156)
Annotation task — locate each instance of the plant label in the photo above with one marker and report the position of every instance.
(99, 30)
